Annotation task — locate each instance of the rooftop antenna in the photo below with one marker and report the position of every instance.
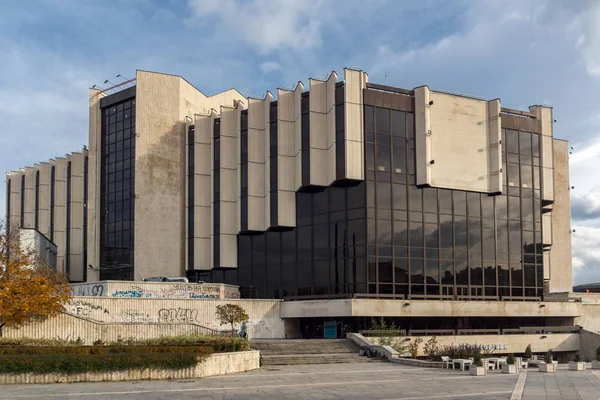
(97, 87)
(107, 81)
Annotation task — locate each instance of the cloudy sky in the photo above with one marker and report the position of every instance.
(524, 52)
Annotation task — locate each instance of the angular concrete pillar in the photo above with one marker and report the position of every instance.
(546, 151)
(494, 147)
(289, 148)
(94, 177)
(44, 200)
(203, 190)
(355, 82)
(229, 185)
(258, 177)
(14, 198)
(60, 211)
(29, 197)
(322, 131)
(76, 210)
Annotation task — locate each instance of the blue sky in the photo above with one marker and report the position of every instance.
(524, 52)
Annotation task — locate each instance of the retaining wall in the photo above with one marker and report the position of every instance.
(216, 364)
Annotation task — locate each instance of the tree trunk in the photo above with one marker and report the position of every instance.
(1, 326)
(232, 334)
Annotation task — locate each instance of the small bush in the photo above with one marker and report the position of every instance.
(577, 358)
(79, 363)
(510, 360)
(413, 347)
(549, 356)
(477, 358)
(432, 349)
(528, 352)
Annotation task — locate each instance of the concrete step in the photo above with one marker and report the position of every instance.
(311, 351)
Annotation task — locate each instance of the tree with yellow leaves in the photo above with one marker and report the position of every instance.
(29, 289)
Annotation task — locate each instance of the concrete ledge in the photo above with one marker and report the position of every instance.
(417, 363)
(216, 364)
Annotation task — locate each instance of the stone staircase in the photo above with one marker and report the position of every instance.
(308, 351)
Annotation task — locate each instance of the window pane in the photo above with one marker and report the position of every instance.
(382, 123)
(398, 124)
(416, 270)
(460, 202)
(512, 141)
(382, 158)
(525, 143)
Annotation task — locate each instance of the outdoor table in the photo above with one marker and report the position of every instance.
(497, 361)
(462, 363)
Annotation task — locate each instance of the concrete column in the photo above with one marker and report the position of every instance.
(230, 185)
(297, 96)
(44, 205)
(547, 151)
(29, 206)
(322, 130)
(494, 147)
(258, 163)
(354, 83)
(203, 190)
(94, 170)
(15, 198)
(60, 212)
(289, 161)
(561, 273)
(76, 218)
(422, 136)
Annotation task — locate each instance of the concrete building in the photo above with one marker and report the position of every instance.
(338, 189)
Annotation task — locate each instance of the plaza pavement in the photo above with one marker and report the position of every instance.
(383, 381)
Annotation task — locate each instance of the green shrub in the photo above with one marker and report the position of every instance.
(101, 350)
(549, 356)
(528, 352)
(78, 363)
(510, 360)
(577, 358)
(4, 342)
(218, 343)
(477, 358)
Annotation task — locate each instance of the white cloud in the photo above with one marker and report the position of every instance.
(588, 42)
(268, 25)
(269, 66)
(586, 254)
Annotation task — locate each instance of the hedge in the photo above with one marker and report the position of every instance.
(80, 363)
(101, 350)
(220, 344)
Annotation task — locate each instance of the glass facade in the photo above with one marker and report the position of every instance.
(386, 237)
(117, 195)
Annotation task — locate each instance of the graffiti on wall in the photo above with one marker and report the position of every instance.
(90, 290)
(183, 315)
(84, 308)
(136, 316)
(186, 291)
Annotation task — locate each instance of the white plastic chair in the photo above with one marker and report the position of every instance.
(447, 362)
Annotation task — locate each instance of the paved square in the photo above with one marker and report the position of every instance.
(382, 381)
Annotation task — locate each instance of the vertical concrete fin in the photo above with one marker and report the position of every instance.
(355, 82)
(288, 152)
(76, 210)
(322, 130)
(298, 135)
(60, 212)
(44, 200)
(203, 190)
(544, 114)
(229, 185)
(29, 197)
(258, 163)
(94, 162)
(15, 199)
(422, 132)
(495, 146)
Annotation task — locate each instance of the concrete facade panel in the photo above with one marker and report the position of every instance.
(44, 205)
(29, 205)
(561, 273)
